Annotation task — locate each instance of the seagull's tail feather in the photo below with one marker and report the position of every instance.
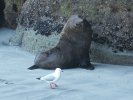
(38, 78)
(33, 67)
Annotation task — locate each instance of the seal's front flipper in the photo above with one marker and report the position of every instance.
(88, 67)
(33, 67)
(91, 67)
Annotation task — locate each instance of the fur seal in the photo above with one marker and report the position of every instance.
(72, 50)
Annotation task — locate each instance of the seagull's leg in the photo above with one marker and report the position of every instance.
(55, 85)
(51, 86)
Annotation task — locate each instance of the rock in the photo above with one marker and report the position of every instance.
(11, 11)
(41, 21)
(118, 30)
(42, 18)
(102, 54)
(2, 6)
(10, 16)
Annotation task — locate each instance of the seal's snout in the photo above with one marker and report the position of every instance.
(38, 78)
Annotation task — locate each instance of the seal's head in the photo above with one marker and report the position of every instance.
(72, 23)
(76, 24)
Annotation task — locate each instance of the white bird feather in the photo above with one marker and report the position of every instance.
(53, 77)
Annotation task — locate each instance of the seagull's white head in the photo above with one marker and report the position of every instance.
(58, 70)
(57, 73)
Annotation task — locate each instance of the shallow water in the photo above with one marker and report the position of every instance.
(112, 82)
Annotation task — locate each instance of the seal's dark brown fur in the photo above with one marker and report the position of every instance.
(72, 50)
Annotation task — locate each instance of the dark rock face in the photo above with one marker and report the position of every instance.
(11, 11)
(11, 16)
(42, 16)
(2, 6)
(47, 27)
(116, 30)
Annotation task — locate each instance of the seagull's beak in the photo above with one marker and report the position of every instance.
(38, 78)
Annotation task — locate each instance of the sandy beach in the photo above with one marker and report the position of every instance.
(112, 82)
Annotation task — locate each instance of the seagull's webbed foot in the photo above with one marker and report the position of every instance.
(53, 85)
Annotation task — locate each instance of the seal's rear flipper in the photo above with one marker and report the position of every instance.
(33, 67)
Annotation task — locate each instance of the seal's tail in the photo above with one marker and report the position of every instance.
(33, 67)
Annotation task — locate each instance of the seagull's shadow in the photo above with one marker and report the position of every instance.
(5, 82)
(67, 90)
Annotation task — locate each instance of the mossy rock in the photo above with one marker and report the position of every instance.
(103, 54)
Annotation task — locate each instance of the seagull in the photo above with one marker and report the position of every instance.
(52, 78)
